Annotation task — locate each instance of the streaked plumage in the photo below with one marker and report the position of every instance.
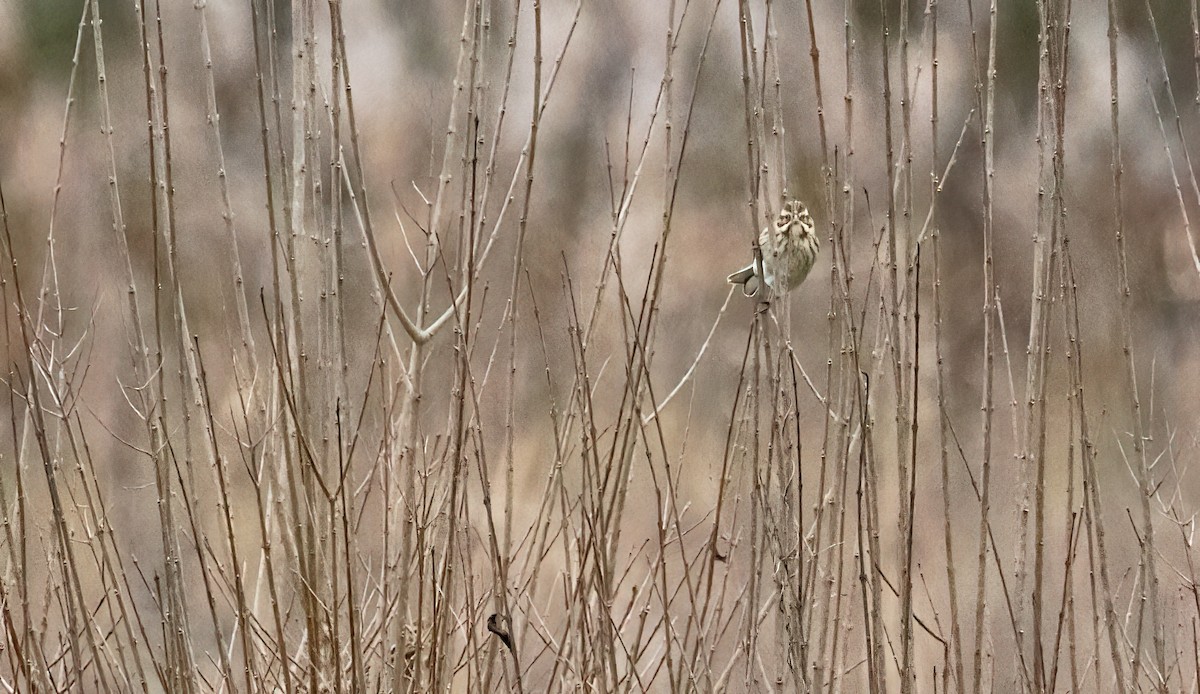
(789, 249)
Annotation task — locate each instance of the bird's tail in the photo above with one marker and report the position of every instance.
(747, 278)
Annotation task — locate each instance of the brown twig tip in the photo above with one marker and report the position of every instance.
(498, 625)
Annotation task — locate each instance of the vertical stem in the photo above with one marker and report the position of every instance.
(989, 290)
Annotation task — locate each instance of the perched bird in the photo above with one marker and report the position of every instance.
(789, 249)
(498, 625)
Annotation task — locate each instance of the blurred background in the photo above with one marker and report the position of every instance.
(402, 59)
(606, 64)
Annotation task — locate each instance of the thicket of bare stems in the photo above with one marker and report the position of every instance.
(398, 459)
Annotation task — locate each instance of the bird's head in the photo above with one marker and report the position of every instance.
(794, 212)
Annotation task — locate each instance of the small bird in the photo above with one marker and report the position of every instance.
(788, 253)
(498, 625)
